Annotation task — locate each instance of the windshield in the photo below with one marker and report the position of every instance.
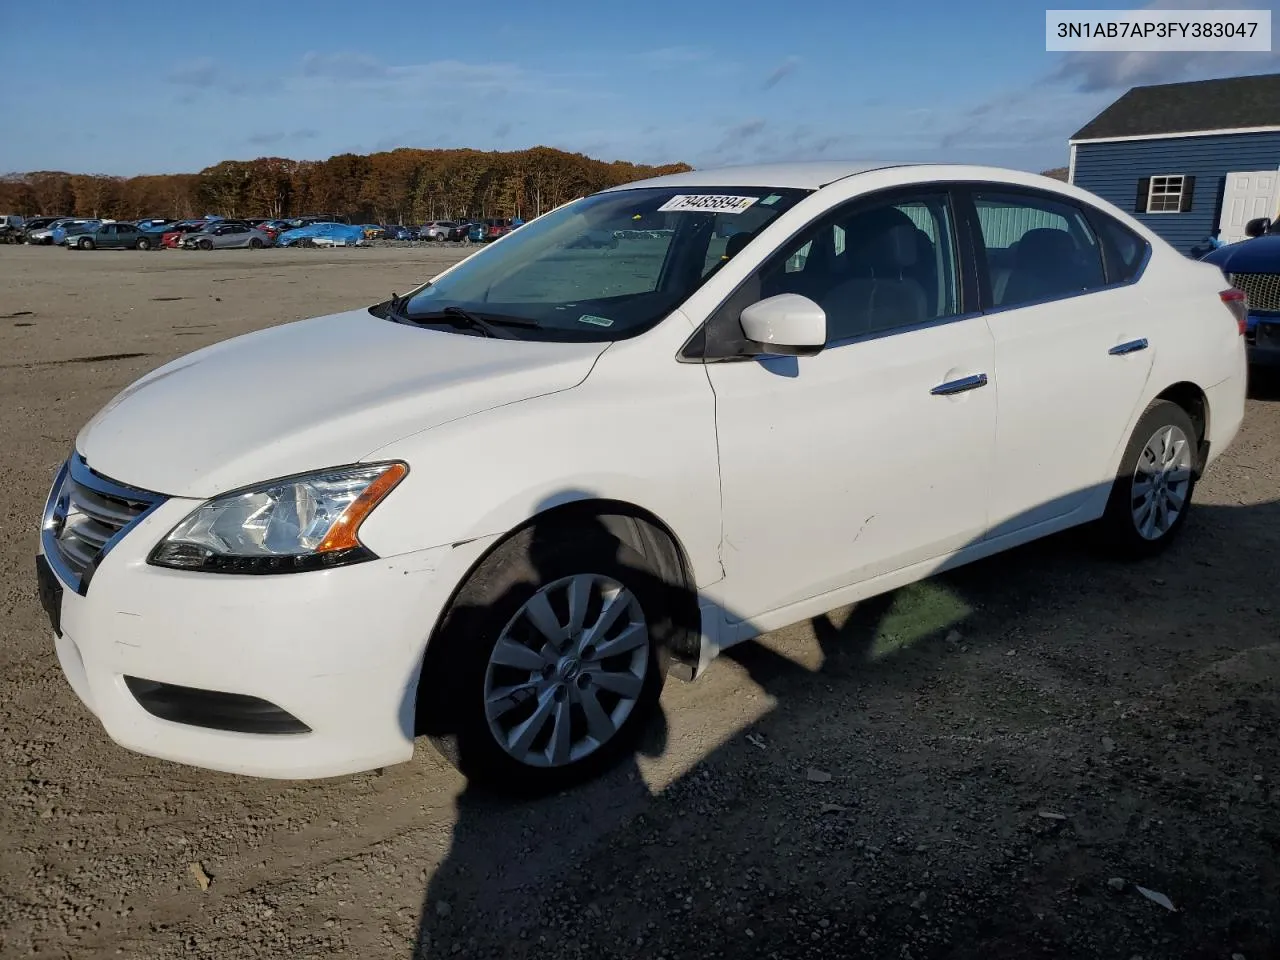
(602, 268)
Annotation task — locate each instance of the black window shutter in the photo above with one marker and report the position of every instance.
(1188, 191)
(1144, 188)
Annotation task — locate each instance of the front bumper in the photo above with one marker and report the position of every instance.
(339, 650)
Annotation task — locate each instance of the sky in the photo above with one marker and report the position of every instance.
(147, 87)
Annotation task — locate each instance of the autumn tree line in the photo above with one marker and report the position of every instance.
(398, 186)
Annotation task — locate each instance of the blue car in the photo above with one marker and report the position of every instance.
(72, 228)
(1253, 266)
(396, 231)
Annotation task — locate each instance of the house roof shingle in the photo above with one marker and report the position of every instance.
(1171, 108)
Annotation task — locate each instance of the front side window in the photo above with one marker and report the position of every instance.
(1037, 248)
(873, 267)
(601, 268)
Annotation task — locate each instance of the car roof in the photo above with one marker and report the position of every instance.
(803, 175)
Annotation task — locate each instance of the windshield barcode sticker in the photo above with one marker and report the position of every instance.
(710, 203)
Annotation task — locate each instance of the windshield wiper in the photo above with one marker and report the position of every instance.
(497, 319)
(485, 323)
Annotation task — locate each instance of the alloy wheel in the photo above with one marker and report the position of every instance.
(566, 671)
(1161, 482)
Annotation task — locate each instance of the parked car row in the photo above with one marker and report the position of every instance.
(456, 231)
(210, 232)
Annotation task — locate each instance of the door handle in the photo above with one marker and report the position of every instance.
(1132, 346)
(960, 386)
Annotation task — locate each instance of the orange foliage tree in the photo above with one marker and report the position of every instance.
(396, 186)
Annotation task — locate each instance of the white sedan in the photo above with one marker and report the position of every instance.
(495, 509)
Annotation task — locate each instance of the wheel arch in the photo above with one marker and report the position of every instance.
(637, 527)
(1191, 398)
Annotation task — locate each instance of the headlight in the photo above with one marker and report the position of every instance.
(306, 522)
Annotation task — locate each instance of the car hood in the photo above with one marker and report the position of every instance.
(1259, 255)
(308, 395)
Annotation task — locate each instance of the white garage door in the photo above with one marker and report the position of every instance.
(1246, 196)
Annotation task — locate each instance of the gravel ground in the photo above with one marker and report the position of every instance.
(991, 764)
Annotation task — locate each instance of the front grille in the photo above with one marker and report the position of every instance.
(1263, 290)
(87, 514)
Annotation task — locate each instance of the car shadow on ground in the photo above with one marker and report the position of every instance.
(983, 764)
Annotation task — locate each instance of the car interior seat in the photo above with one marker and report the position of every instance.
(1046, 262)
(880, 288)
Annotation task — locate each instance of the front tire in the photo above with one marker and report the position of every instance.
(205, 244)
(549, 661)
(144, 243)
(86, 244)
(1152, 493)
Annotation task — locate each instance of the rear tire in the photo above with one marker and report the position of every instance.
(543, 566)
(1152, 493)
(255, 243)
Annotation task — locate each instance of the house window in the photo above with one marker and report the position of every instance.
(1164, 194)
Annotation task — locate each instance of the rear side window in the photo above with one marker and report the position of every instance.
(1122, 249)
(1037, 248)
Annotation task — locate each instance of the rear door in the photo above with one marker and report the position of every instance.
(1072, 353)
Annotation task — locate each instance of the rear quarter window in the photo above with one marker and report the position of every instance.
(1123, 251)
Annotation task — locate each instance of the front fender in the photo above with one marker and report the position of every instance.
(629, 432)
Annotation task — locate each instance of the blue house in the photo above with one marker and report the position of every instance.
(1191, 160)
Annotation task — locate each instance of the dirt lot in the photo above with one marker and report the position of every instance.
(982, 766)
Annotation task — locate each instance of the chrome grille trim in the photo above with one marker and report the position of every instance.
(87, 514)
(1263, 290)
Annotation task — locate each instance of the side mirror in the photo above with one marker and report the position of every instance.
(787, 325)
(1257, 227)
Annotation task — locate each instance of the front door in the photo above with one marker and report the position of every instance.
(872, 455)
(1245, 197)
